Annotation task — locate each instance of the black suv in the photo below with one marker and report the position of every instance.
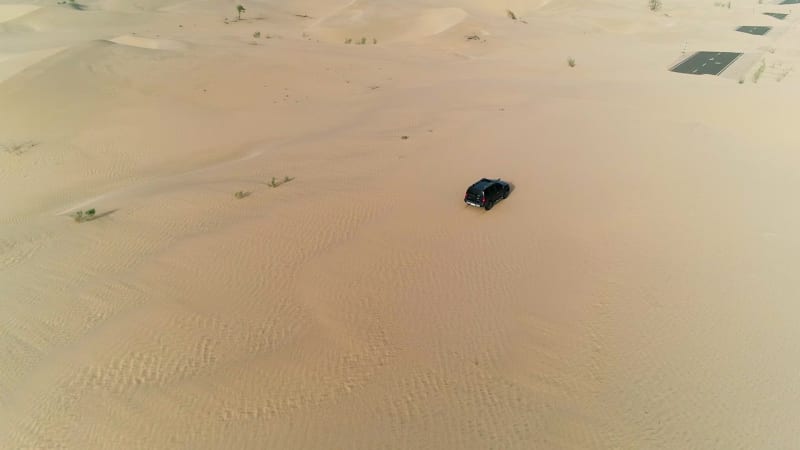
(485, 193)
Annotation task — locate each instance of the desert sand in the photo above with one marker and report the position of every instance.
(638, 289)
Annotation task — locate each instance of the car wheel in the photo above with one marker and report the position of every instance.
(489, 205)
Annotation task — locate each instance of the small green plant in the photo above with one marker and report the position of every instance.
(275, 183)
(348, 41)
(84, 216)
(239, 10)
(362, 41)
(741, 80)
(757, 74)
(571, 61)
(511, 14)
(655, 5)
(257, 34)
(242, 194)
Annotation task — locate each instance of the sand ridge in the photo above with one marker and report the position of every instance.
(11, 64)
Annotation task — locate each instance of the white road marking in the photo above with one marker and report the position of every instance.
(731, 62)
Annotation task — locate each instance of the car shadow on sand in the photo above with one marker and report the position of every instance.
(511, 187)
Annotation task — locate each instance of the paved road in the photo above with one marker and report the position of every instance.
(706, 63)
(760, 31)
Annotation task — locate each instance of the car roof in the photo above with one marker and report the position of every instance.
(482, 184)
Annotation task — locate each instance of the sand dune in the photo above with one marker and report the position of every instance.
(388, 23)
(11, 12)
(150, 43)
(636, 290)
(140, 6)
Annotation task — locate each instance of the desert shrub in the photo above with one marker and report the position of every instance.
(511, 14)
(83, 216)
(275, 183)
(571, 61)
(257, 34)
(655, 5)
(73, 4)
(242, 194)
(18, 148)
(348, 41)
